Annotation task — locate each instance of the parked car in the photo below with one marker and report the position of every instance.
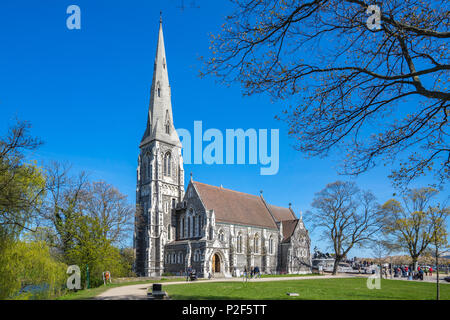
(447, 279)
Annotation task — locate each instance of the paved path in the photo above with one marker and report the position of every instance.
(139, 291)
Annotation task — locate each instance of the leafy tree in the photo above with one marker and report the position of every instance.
(412, 226)
(29, 265)
(379, 94)
(89, 219)
(22, 184)
(438, 218)
(347, 217)
(127, 259)
(90, 248)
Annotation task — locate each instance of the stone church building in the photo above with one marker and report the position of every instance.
(216, 231)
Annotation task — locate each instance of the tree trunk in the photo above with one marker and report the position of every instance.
(336, 265)
(414, 262)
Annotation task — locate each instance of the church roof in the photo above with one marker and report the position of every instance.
(237, 207)
(288, 228)
(280, 213)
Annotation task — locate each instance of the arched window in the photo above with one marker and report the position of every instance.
(159, 92)
(194, 225)
(239, 243)
(182, 228)
(149, 170)
(221, 235)
(167, 162)
(271, 245)
(188, 227)
(256, 243)
(167, 127)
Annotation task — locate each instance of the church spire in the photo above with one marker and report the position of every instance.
(160, 118)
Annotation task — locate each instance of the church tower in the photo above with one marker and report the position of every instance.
(160, 174)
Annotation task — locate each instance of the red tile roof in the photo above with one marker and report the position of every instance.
(281, 213)
(236, 207)
(288, 228)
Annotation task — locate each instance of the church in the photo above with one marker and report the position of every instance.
(216, 231)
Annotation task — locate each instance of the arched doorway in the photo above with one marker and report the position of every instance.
(216, 263)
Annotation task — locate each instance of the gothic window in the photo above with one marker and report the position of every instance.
(167, 127)
(168, 232)
(167, 162)
(144, 169)
(271, 245)
(159, 92)
(190, 192)
(211, 233)
(194, 225)
(182, 228)
(256, 243)
(221, 235)
(239, 243)
(201, 221)
(173, 203)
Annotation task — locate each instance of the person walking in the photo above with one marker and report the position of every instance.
(431, 271)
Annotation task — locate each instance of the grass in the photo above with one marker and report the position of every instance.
(289, 275)
(87, 294)
(318, 289)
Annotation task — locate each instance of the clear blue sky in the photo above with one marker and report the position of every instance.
(86, 93)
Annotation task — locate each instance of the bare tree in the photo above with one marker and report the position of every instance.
(347, 216)
(112, 209)
(64, 201)
(377, 94)
(72, 196)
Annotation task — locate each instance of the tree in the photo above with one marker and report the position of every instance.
(410, 226)
(381, 251)
(22, 184)
(24, 263)
(112, 209)
(380, 94)
(438, 217)
(347, 216)
(89, 219)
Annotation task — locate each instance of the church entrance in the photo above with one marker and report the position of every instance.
(216, 263)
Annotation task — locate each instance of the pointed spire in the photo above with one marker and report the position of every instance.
(160, 118)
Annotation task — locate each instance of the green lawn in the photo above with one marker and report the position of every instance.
(318, 289)
(91, 293)
(289, 275)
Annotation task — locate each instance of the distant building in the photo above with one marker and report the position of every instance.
(214, 230)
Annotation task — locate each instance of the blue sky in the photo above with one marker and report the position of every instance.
(86, 93)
